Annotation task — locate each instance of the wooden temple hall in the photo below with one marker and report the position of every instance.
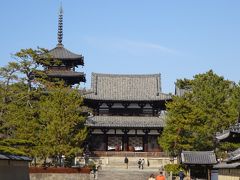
(128, 112)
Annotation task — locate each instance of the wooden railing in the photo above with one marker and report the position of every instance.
(128, 154)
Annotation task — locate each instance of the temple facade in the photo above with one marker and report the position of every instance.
(128, 112)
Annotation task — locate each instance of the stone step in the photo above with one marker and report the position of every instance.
(134, 168)
(124, 174)
(132, 161)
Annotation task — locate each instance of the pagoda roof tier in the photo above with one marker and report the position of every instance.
(67, 75)
(226, 166)
(63, 54)
(234, 156)
(126, 121)
(235, 129)
(118, 87)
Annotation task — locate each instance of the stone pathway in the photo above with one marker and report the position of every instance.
(124, 174)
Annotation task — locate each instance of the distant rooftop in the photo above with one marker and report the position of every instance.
(231, 162)
(234, 129)
(227, 166)
(198, 157)
(14, 157)
(234, 156)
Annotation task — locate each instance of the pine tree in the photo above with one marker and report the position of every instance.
(209, 106)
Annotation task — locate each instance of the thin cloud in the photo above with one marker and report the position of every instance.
(130, 46)
(150, 46)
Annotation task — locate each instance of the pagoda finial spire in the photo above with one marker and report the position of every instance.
(60, 26)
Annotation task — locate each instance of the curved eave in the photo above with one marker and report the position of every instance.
(227, 166)
(125, 122)
(66, 75)
(137, 99)
(126, 100)
(14, 157)
(63, 54)
(125, 126)
(223, 136)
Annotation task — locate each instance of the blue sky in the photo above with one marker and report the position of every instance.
(175, 38)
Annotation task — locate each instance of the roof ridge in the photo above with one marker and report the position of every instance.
(127, 75)
(197, 151)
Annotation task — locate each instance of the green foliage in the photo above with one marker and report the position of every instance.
(63, 123)
(225, 147)
(11, 150)
(15, 142)
(13, 146)
(38, 118)
(228, 146)
(27, 63)
(68, 162)
(184, 84)
(174, 168)
(92, 165)
(193, 119)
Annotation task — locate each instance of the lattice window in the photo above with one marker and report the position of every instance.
(114, 143)
(136, 143)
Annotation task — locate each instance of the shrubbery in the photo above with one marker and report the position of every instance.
(174, 168)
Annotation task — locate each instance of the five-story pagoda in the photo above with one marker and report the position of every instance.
(61, 63)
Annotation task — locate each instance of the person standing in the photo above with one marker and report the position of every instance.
(160, 176)
(151, 177)
(142, 163)
(139, 163)
(126, 162)
(181, 175)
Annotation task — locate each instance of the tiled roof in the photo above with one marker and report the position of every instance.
(14, 157)
(226, 133)
(59, 52)
(125, 121)
(65, 74)
(198, 157)
(227, 166)
(127, 87)
(234, 156)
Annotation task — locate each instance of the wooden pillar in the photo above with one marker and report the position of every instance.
(90, 134)
(153, 106)
(141, 105)
(99, 104)
(125, 104)
(109, 105)
(125, 139)
(145, 140)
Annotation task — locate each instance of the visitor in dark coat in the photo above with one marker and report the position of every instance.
(181, 175)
